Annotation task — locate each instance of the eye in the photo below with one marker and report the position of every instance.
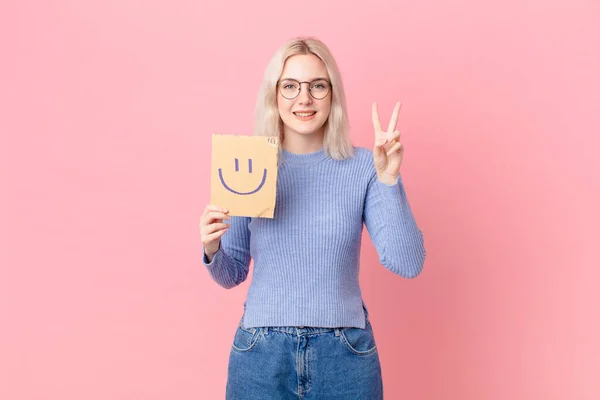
(320, 85)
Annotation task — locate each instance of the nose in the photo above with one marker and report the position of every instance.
(304, 96)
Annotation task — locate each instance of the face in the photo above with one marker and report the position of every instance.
(304, 115)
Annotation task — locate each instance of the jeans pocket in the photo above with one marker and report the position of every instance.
(245, 338)
(359, 341)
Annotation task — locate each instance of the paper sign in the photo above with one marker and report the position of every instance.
(244, 174)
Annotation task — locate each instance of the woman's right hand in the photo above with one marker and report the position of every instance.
(212, 228)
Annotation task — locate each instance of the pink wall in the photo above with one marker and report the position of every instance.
(106, 113)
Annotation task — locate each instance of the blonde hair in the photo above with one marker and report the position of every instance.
(336, 141)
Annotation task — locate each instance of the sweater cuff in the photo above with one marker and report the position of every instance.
(205, 258)
(392, 190)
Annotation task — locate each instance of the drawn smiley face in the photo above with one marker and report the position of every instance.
(237, 168)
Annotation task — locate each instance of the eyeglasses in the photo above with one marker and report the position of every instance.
(318, 89)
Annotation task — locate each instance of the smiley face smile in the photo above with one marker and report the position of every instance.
(226, 186)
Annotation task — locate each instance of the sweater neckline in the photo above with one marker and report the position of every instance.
(303, 158)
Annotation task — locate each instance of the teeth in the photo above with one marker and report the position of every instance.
(305, 114)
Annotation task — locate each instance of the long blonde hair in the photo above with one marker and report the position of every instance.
(336, 141)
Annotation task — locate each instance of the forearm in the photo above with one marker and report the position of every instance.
(394, 230)
(224, 270)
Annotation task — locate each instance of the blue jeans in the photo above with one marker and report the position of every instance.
(308, 363)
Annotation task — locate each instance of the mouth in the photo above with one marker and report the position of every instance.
(305, 115)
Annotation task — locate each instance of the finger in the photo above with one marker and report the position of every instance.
(212, 207)
(215, 227)
(214, 236)
(212, 216)
(205, 236)
(375, 115)
(209, 208)
(390, 138)
(395, 148)
(394, 119)
(379, 148)
(381, 140)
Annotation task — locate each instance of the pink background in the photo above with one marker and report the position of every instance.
(107, 108)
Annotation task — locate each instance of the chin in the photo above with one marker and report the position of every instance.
(308, 132)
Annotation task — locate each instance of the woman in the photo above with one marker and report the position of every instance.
(305, 331)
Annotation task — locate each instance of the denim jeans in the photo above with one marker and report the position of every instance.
(307, 363)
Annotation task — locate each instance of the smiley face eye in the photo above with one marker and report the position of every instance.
(237, 165)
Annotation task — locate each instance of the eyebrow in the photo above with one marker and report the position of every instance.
(283, 79)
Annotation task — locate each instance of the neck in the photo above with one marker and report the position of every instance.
(302, 144)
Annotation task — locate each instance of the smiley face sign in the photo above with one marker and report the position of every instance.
(244, 174)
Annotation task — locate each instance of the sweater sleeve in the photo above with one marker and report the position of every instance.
(230, 264)
(392, 227)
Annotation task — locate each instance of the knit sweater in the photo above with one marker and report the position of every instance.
(306, 258)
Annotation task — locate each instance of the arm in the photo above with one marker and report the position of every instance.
(393, 229)
(229, 265)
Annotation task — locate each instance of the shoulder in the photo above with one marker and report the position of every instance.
(359, 166)
(363, 158)
(360, 155)
(362, 152)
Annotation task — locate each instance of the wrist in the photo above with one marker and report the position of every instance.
(388, 179)
(208, 256)
(209, 252)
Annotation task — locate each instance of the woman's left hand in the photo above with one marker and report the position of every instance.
(387, 151)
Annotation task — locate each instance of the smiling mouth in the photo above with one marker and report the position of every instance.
(305, 114)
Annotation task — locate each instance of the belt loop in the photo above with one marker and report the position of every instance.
(266, 330)
(337, 331)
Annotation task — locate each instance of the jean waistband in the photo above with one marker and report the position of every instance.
(300, 330)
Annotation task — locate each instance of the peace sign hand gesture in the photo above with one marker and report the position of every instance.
(387, 151)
